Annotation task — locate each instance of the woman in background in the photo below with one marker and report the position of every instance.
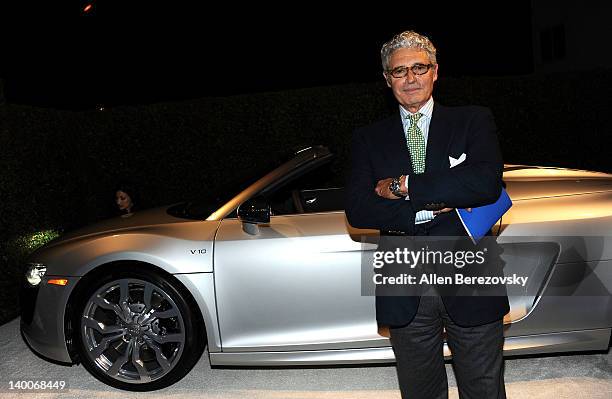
(125, 198)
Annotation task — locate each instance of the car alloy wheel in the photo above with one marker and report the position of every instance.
(137, 333)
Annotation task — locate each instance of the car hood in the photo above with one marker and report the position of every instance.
(527, 182)
(137, 220)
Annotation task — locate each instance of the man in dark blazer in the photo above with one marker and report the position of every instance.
(408, 173)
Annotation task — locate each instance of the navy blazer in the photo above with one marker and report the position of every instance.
(380, 151)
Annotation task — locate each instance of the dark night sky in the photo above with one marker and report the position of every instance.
(103, 59)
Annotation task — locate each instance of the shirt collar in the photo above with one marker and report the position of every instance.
(426, 109)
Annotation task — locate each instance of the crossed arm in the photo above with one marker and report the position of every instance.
(382, 190)
(476, 182)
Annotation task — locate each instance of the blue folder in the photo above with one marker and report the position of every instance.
(478, 222)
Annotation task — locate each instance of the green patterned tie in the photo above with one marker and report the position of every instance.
(416, 143)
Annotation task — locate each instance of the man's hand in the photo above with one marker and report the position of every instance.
(382, 189)
(442, 211)
(448, 210)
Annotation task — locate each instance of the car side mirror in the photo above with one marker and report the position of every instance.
(253, 212)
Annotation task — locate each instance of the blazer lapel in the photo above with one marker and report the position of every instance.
(438, 140)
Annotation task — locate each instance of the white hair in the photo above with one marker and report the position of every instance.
(407, 39)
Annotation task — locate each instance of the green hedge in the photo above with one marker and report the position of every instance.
(58, 168)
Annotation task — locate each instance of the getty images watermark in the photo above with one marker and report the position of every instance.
(423, 257)
(513, 266)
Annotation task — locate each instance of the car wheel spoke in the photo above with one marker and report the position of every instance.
(124, 292)
(114, 369)
(105, 304)
(142, 371)
(101, 327)
(148, 293)
(104, 343)
(161, 359)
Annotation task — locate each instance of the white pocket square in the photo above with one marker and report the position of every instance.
(454, 162)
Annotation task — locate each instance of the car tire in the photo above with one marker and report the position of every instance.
(135, 330)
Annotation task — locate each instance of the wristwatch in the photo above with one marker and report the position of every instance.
(395, 187)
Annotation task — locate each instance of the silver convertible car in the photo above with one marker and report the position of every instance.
(273, 277)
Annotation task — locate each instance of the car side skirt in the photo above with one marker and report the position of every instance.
(571, 341)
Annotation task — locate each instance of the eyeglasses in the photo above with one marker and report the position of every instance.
(417, 69)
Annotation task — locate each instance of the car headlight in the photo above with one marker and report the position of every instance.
(35, 273)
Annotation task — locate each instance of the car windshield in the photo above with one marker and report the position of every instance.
(196, 209)
(269, 185)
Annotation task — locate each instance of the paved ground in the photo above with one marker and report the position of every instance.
(559, 377)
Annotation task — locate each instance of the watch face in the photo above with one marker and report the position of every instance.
(394, 187)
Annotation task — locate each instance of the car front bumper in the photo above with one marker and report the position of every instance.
(43, 311)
